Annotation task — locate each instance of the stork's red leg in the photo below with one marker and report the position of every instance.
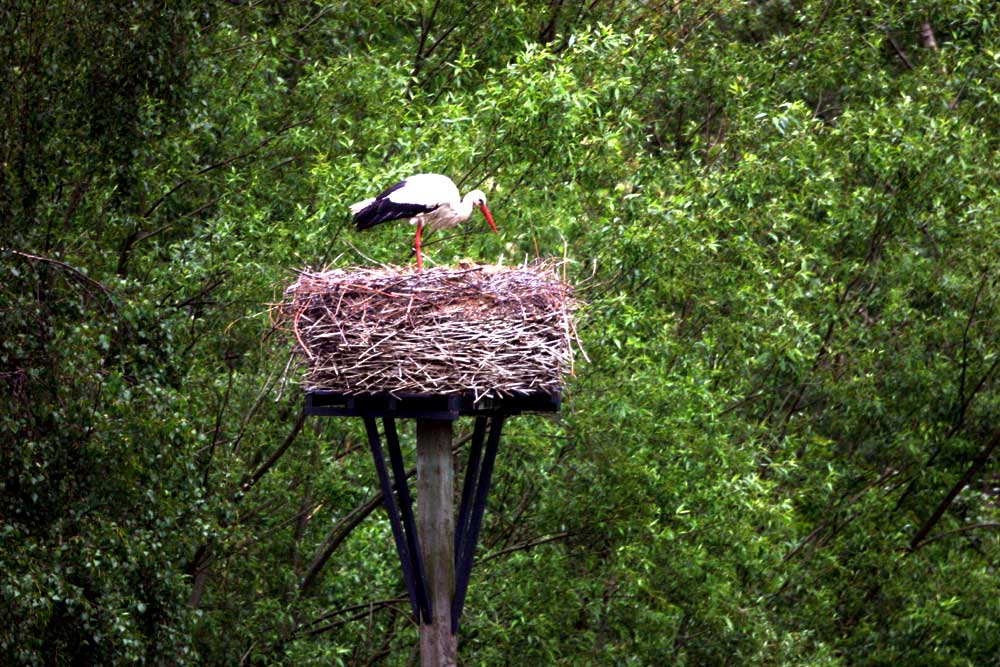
(420, 259)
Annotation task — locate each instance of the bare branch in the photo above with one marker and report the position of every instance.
(528, 545)
(955, 531)
(252, 479)
(71, 270)
(217, 165)
(336, 536)
(899, 52)
(425, 29)
(977, 464)
(833, 512)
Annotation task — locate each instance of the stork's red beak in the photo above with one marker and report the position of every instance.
(489, 218)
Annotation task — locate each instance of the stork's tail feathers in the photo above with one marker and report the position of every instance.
(362, 213)
(361, 205)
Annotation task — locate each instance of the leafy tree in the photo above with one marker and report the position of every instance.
(780, 450)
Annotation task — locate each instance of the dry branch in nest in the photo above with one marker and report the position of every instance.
(490, 330)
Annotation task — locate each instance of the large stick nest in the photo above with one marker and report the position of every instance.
(490, 330)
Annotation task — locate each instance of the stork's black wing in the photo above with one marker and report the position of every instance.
(384, 209)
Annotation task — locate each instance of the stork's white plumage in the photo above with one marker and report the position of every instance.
(426, 200)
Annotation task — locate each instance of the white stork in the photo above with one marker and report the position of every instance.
(430, 200)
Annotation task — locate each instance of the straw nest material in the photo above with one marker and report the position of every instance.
(489, 330)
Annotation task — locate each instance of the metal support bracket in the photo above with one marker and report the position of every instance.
(490, 414)
(399, 506)
(475, 489)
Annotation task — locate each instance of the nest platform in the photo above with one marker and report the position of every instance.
(474, 332)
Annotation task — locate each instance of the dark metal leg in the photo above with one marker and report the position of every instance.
(463, 568)
(409, 525)
(389, 500)
(469, 485)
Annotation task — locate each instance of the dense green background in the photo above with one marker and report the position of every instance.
(785, 218)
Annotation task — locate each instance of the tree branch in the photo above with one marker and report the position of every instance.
(527, 546)
(389, 604)
(346, 610)
(73, 271)
(217, 165)
(955, 531)
(252, 479)
(899, 52)
(977, 465)
(962, 404)
(336, 536)
(425, 29)
(834, 512)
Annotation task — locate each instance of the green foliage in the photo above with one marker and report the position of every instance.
(780, 450)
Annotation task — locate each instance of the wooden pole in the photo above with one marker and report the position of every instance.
(436, 509)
